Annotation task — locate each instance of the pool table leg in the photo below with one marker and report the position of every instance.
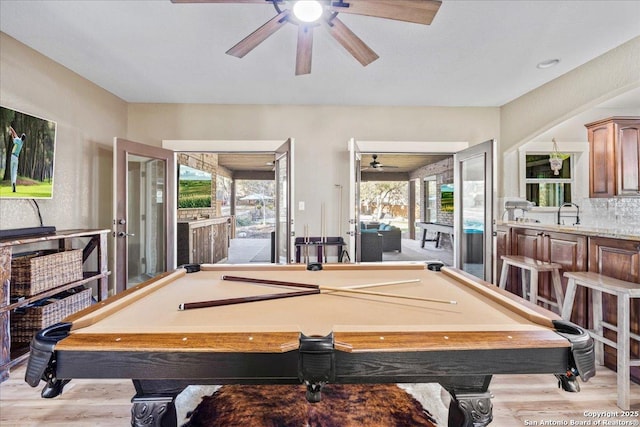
(155, 411)
(154, 402)
(471, 410)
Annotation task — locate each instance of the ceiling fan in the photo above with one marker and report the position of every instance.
(376, 165)
(308, 14)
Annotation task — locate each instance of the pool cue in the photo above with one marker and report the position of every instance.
(332, 289)
(242, 300)
(306, 244)
(312, 286)
(322, 233)
(339, 208)
(383, 294)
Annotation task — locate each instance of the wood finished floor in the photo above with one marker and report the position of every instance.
(517, 399)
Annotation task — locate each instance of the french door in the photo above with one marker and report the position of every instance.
(355, 175)
(474, 198)
(285, 239)
(144, 212)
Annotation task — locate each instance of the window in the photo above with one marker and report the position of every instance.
(543, 187)
(430, 203)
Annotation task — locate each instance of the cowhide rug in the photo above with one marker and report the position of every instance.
(343, 405)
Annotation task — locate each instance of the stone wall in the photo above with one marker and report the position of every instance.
(443, 171)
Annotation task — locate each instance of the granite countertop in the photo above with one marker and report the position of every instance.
(584, 230)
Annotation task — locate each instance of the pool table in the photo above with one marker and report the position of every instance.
(472, 331)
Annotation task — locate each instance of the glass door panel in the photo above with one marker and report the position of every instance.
(473, 210)
(146, 240)
(144, 212)
(284, 203)
(354, 201)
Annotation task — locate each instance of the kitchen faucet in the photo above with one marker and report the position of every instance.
(577, 212)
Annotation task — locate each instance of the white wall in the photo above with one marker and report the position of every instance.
(88, 118)
(321, 134)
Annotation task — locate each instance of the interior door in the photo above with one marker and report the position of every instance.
(474, 198)
(285, 235)
(355, 158)
(144, 212)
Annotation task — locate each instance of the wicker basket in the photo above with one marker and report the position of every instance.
(37, 272)
(27, 321)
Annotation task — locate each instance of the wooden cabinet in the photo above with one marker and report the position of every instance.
(568, 250)
(614, 157)
(628, 158)
(203, 241)
(97, 242)
(619, 259)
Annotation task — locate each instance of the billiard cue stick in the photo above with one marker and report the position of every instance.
(384, 294)
(332, 289)
(242, 300)
(306, 243)
(311, 286)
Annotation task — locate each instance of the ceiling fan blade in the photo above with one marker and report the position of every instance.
(352, 43)
(304, 50)
(226, 1)
(247, 44)
(416, 11)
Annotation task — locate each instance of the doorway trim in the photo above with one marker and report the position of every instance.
(245, 146)
(356, 147)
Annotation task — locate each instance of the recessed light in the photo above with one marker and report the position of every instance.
(548, 63)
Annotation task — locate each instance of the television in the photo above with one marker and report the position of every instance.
(194, 188)
(446, 197)
(27, 152)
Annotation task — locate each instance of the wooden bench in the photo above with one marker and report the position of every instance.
(534, 267)
(624, 291)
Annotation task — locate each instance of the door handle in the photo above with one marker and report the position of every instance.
(123, 234)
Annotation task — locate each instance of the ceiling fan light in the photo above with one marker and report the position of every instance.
(307, 10)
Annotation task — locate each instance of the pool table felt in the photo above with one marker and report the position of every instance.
(482, 317)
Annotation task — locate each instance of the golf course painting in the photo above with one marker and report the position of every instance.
(27, 149)
(194, 188)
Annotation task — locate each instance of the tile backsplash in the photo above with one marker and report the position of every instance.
(620, 213)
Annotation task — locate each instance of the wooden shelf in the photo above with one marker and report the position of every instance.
(66, 239)
(88, 277)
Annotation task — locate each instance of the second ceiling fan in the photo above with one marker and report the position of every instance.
(308, 14)
(377, 165)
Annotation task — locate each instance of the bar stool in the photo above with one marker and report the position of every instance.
(534, 267)
(624, 291)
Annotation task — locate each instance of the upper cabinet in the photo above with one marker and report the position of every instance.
(614, 157)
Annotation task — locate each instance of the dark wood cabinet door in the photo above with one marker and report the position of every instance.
(570, 251)
(524, 242)
(628, 153)
(602, 159)
(619, 259)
